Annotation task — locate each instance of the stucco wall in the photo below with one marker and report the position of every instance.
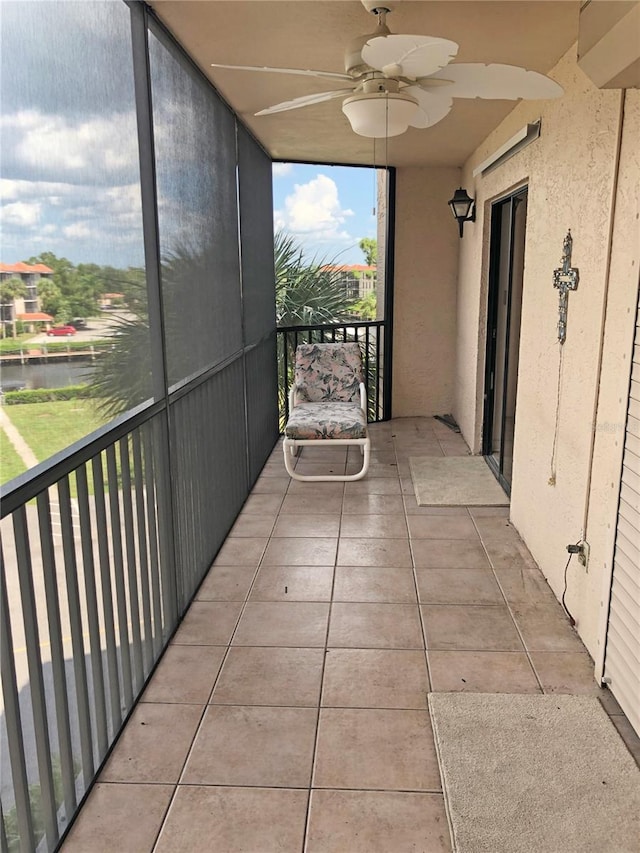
(571, 174)
(426, 268)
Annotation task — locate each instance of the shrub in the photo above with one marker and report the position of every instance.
(35, 801)
(69, 345)
(47, 395)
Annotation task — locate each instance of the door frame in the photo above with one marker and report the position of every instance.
(498, 206)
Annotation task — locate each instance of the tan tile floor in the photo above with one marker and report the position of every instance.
(290, 713)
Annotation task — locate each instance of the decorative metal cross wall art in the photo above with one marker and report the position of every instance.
(565, 278)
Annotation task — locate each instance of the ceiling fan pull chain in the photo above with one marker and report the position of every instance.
(375, 200)
(386, 138)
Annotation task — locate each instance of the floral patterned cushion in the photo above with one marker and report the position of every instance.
(326, 420)
(328, 372)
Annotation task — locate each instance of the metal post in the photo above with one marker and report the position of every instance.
(13, 722)
(57, 653)
(77, 639)
(107, 595)
(138, 474)
(36, 681)
(95, 644)
(129, 536)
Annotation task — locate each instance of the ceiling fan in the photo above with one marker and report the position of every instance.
(401, 81)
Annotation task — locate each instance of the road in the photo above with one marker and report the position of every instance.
(98, 328)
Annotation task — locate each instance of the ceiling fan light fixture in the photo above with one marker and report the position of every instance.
(380, 114)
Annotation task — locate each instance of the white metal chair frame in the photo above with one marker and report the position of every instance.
(291, 446)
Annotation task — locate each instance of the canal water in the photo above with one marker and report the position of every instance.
(48, 375)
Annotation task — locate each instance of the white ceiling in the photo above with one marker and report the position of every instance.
(315, 33)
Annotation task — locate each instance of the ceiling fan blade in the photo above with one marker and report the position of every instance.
(331, 75)
(433, 107)
(408, 56)
(305, 101)
(509, 82)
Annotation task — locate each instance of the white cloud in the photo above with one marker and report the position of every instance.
(21, 213)
(314, 215)
(77, 231)
(22, 189)
(23, 119)
(79, 212)
(124, 199)
(92, 149)
(79, 220)
(279, 170)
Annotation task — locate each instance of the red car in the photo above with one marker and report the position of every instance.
(61, 331)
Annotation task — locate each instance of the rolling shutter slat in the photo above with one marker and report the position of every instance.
(622, 660)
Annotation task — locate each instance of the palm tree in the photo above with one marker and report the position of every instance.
(308, 293)
(122, 376)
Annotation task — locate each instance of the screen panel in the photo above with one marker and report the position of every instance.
(195, 155)
(256, 235)
(74, 292)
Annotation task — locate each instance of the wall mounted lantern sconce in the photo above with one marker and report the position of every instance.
(463, 208)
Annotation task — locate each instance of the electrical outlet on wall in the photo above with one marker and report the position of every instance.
(583, 556)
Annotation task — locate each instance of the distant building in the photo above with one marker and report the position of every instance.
(359, 279)
(108, 301)
(25, 308)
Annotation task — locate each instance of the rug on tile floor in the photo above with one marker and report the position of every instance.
(542, 773)
(455, 481)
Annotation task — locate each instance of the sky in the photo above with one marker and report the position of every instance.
(69, 180)
(69, 168)
(328, 209)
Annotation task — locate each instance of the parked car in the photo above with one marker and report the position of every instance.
(61, 331)
(79, 323)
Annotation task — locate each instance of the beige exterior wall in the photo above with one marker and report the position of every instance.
(574, 183)
(426, 269)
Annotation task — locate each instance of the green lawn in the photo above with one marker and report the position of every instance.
(10, 463)
(12, 346)
(50, 427)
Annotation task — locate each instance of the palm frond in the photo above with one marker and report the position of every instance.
(307, 292)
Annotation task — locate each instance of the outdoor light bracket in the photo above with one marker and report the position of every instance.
(460, 200)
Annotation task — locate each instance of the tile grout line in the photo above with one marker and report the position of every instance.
(508, 606)
(206, 705)
(198, 728)
(307, 820)
(281, 512)
(269, 539)
(420, 613)
(421, 617)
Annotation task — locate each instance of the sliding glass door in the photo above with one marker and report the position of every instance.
(506, 268)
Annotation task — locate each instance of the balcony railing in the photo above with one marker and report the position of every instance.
(102, 548)
(372, 337)
(88, 603)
